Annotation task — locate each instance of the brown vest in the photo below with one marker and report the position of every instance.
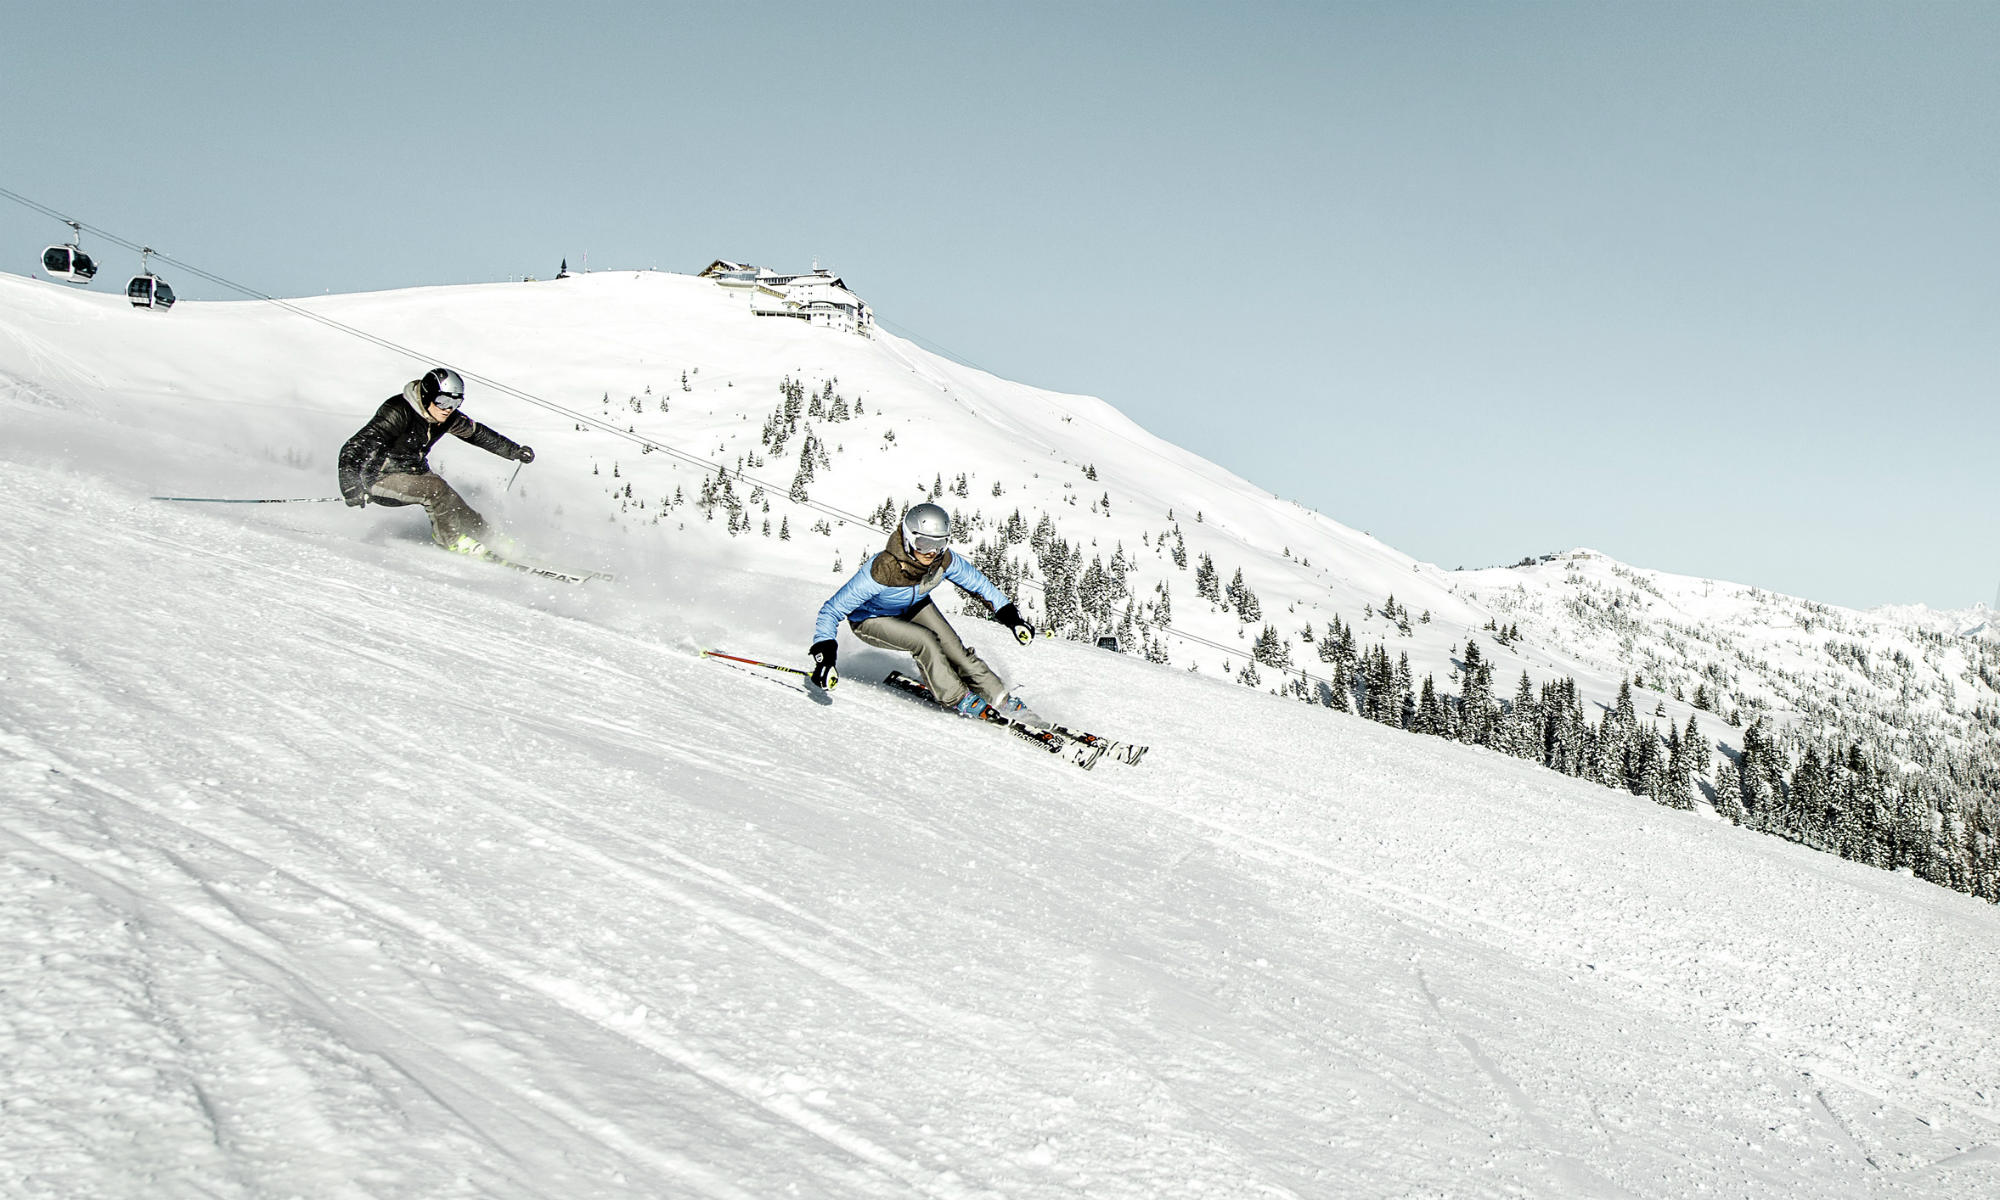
(895, 567)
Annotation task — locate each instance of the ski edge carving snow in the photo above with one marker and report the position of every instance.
(1085, 755)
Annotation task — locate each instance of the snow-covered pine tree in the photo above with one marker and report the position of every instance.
(1402, 682)
(1059, 566)
(1696, 748)
(1728, 793)
(1649, 767)
(996, 564)
(1476, 706)
(1679, 788)
(1341, 699)
(1567, 741)
(804, 475)
(1206, 584)
(1094, 593)
(1520, 726)
(1810, 800)
(1248, 607)
(1014, 530)
(1429, 718)
(1753, 777)
(1272, 650)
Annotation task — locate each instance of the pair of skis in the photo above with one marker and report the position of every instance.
(1084, 756)
(1128, 753)
(556, 573)
(1090, 746)
(1087, 747)
(486, 555)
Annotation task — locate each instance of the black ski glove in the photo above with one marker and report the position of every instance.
(824, 655)
(1012, 619)
(525, 454)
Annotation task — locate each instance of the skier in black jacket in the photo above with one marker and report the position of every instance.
(387, 460)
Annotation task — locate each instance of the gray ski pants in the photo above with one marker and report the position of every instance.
(450, 515)
(949, 669)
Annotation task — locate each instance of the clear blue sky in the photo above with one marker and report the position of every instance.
(1710, 288)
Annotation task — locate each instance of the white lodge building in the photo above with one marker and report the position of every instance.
(820, 298)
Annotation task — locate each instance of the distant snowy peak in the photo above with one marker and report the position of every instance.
(1680, 589)
(1746, 652)
(1977, 621)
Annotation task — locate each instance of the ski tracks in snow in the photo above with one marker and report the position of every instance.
(363, 909)
(1607, 997)
(211, 861)
(338, 984)
(402, 891)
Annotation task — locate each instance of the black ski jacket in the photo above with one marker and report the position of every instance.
(398, 441)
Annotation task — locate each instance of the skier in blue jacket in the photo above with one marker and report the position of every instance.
(888, 602)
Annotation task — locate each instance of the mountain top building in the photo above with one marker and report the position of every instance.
(819, 298)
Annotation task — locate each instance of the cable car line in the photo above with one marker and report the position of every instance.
(648, 444)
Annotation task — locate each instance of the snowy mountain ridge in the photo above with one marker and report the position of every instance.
(1572, 599)
(345, 867)
(796, 446)
(793, 447)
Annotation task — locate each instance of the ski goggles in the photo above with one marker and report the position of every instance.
(448, 401)
(925, 544)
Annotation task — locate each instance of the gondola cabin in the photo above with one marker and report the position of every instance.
(150, 291)
(68, 263)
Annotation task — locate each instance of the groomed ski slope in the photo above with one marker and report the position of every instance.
(339, 869)
(342, 867)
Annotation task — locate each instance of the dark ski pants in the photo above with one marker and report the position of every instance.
(949, 669)
(450, 515)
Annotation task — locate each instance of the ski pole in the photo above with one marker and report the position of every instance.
(753, 662)
(233, 500)
(813, 688)
(510, 479)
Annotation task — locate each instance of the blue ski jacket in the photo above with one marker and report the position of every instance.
(866, 596)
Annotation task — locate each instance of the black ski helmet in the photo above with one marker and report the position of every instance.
(443, 387)
(926, 527)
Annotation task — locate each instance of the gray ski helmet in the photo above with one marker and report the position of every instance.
(443, 387)
(926, 527)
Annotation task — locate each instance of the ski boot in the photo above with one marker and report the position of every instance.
(1010, 707)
